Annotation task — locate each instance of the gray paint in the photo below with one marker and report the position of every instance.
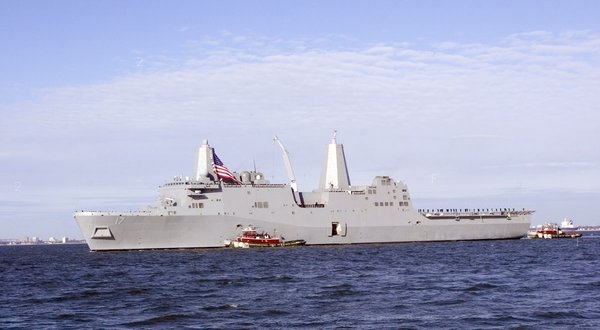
(379, 213)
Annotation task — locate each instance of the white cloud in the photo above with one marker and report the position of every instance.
(454, 109)
(371, 84)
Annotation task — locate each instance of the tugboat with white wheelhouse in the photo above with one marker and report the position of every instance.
(251, 238)
(550, 230)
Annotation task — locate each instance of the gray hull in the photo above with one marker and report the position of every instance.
(347, 218)
(180, 232)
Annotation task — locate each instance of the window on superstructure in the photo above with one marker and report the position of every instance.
(376, 203)
(261, 205)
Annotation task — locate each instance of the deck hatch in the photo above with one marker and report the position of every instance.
(338, 229)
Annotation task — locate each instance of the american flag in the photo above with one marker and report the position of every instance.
(222, 171)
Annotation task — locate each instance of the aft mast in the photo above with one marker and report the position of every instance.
(335, 172)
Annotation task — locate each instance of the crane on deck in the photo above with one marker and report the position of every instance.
(288, 164)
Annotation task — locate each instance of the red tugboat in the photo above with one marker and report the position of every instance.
(251, 238)
(550, 230)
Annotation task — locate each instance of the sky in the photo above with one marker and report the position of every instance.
(473, 104)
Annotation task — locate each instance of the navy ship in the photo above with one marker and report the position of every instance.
(212, 207)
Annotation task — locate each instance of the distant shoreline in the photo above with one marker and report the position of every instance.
(18, 243)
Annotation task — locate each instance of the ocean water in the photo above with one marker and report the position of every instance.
(486, 284)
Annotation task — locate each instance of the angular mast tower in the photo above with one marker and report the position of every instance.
(203, 167)
(335, 172)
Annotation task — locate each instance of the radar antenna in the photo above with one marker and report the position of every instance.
(288, 164)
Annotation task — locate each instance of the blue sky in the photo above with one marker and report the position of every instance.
(472, 103)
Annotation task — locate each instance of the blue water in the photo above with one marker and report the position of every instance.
(486, 284)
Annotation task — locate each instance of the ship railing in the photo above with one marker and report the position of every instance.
(257, 185)
(193, 184)
(115, 213)
(507, 213)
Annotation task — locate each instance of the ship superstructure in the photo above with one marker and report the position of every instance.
(211, 207)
